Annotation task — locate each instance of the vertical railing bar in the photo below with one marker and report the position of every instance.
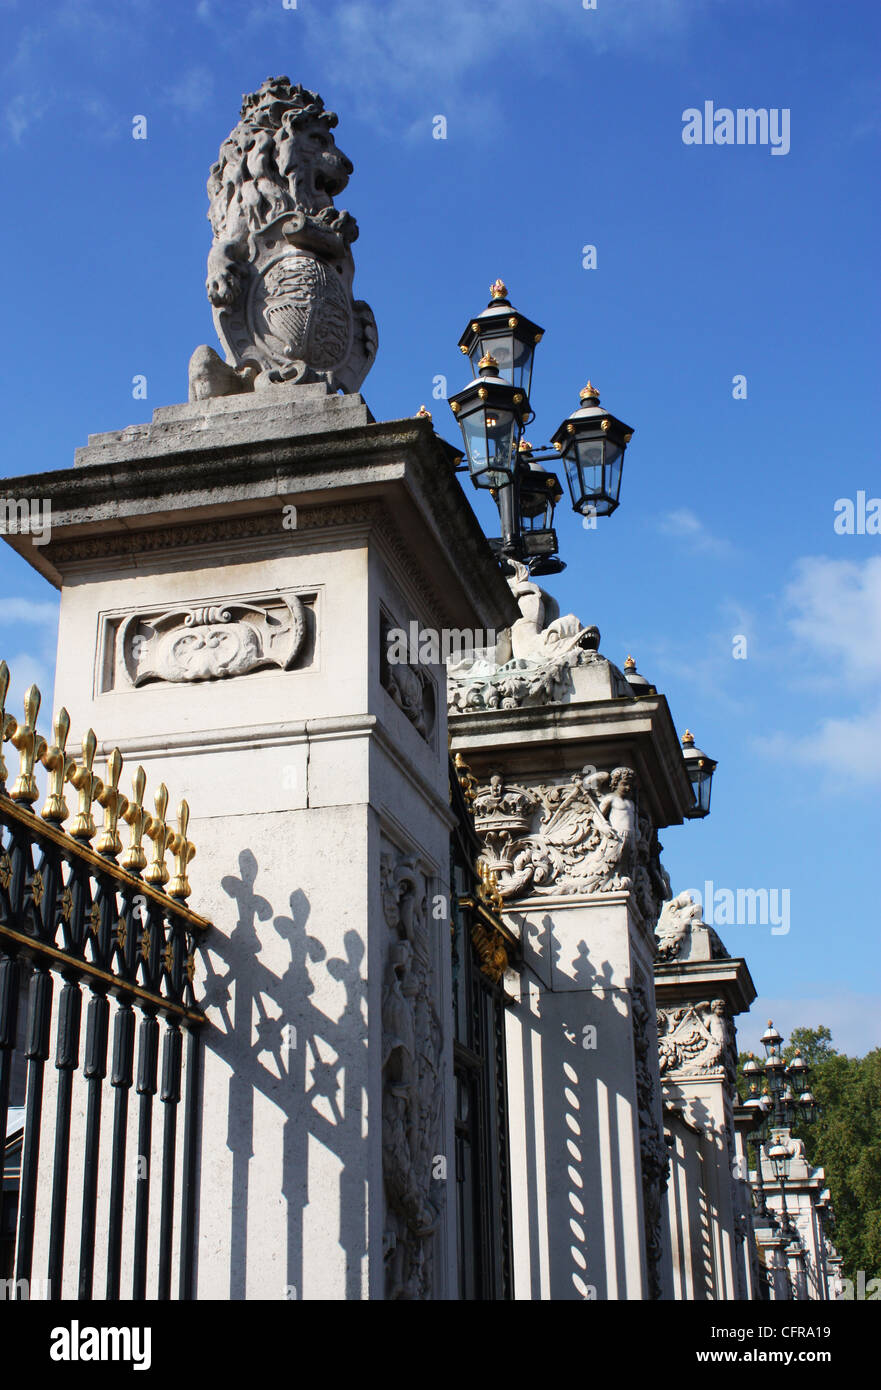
(170, 1097)
(36, 1052)
(121, 1079)
(148, 1055)
(9, 991)
(188, 1205)
(67, 1049)
(94, 1070)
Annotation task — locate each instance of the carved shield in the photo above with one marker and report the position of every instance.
(299, 301)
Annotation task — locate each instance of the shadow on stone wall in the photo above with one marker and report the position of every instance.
(314, 1076)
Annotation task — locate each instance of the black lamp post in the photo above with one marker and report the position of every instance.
(492, 411)
(786, 1101)
(700, 768)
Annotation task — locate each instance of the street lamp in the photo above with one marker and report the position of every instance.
(592, 443)
(492, 412)
(700, 768)
(540, 491)
(506, 335)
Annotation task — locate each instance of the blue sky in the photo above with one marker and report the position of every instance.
(564, 129)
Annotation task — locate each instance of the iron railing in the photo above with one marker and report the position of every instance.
(82, 923)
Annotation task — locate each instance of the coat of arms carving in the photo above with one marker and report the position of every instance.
(280, 269)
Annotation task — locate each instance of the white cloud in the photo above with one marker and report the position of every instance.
(853, 1019)
(28, 610)
(419, 50)
(688, 528)
(192, 92)
(834, 609)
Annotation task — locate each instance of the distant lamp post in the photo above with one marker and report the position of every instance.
(790, 1100)
(493, 410)
(700, 768)
(592, 443)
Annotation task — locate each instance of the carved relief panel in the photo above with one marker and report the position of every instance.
(217, 640)
(412, 1083)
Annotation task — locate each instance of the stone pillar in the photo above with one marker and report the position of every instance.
(577, 771)
(801, 1189)
(228, 576)
(699, 989)
(746, 1248)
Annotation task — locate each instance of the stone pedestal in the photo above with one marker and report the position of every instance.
(228, 574)
(576, 773)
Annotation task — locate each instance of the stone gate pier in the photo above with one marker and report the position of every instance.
(228, 576)
(577, 767)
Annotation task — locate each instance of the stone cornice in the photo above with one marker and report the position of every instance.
(143, 497)
(686, 981)
(638, 732)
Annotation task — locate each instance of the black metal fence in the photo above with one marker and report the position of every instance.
(77, 929)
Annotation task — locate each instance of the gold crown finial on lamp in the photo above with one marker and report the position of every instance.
(487, 360)
(423, 414)
(498, 289)
(688, 739)
(630, 664)
(589, 392)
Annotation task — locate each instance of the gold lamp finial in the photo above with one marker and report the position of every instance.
(688, 739)
(487, 360)
(630, 664)
(524, 446)
(589, 392)
(498, 289)
(423, 414)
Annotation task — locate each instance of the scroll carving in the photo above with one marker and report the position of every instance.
(210, 641)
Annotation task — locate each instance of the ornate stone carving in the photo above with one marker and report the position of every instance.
(696, 1040)
(210, 641)
(531, 662)
(412, 1092)
(280, 269)
(581, 836)
(653, 1153)
(683, 934)
(411, 688)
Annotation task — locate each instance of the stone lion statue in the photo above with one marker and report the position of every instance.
(280, 269)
